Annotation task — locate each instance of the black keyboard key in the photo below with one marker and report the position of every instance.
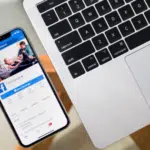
(43, 7)
(103, 7)
(63, 11)
(60, 29)
(148, 2)
(76, 70)
(147, 14)
(76, 5)
(48, 4)
(118, 49)
(126, 28)
(139, 22)
(113, 19)
(68, 41)
(90, 14)
(86, 32)
(139, 6)
(90, 63)
(128, 1)
(90, 2)
(78, 52)
(116, 3)
(113, 35)
(100, 41)
(103, 56)
(126, 12)
(76, 20)
(49, 17)
(138, 38)
(100, 25)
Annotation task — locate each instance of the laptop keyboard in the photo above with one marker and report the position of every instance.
(90, 33)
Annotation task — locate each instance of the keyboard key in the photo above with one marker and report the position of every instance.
(103, 56)
(49, 17)
(63, 11)
(126, 12)
(126, 28)
(103, 7)
(68, 41)
(147, 14)
(139, 6)
(42, 7)
(100, 25)
(76, 5)
(138, 38)
(60, 29)
(48, 4)
(148, 2)
(128, 1)
(116, 3)
(139, 22)
(113, 19)
(76, 20)
(86, 32)
(100, 41)
(90, 2)
(113, 35)
(90, 63)
(90, 14)
(118, 49)
(78, 52)
(76, 70)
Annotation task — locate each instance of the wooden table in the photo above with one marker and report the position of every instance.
(141, 137)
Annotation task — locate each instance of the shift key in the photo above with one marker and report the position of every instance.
(78, 52)
(138, 38)
(68, 41)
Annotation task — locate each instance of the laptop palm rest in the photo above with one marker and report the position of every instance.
(139, 65)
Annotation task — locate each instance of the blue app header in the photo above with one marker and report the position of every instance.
(16, 35)
(2, 88)
(21, 87)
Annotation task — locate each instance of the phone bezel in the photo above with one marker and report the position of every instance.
(53, 89)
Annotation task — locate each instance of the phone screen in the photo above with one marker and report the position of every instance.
(27, 98)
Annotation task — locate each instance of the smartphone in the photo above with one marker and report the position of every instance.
(27, 97)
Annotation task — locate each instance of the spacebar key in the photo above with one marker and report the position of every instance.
(78, 52)
(138, 38)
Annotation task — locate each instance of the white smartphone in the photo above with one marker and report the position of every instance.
(27, 97)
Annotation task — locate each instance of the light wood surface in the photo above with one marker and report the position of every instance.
(141, 137)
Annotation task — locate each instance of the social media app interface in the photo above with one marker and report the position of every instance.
(25, 92)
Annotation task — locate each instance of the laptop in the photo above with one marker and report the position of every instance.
(101, 52)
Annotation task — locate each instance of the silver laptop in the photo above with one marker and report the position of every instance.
(101, 51)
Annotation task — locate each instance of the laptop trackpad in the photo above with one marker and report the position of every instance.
(139, 64)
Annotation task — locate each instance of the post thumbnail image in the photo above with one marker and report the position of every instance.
(16, 58)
